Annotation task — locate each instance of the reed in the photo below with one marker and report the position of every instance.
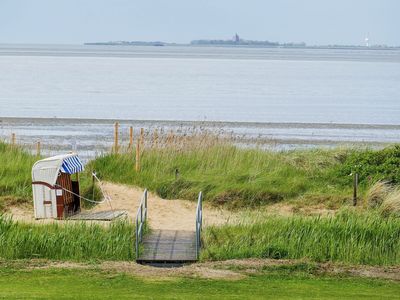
(348, 237)
(76, 241)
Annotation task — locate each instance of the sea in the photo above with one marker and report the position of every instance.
(70, 95)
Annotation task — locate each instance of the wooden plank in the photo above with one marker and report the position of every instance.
(169, 246)
(99, 216)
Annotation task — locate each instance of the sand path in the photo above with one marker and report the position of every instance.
(162, 213)
(174, 214)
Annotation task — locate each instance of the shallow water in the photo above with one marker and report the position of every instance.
(281, 98)
(189, 83)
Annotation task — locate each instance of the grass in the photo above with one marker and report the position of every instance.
(233, 177)
(229, 175)
(349, 237)
(374, 165)
(391, 205)
(226, 174)
(96, 284)
(76, 241)
(384, 198)
(251, 177)
(15, 175)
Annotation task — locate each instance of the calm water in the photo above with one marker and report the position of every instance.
(187, 83)
(294, 98)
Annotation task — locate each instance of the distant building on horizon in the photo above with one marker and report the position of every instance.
(367, 44)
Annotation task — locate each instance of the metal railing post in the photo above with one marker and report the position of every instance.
(141, 218)
(199, 223)
(145, 205)
(137, 239)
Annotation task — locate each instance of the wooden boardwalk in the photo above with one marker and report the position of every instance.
(168, 246)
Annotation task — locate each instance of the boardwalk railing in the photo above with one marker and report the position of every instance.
(199, 223)
(141, 218)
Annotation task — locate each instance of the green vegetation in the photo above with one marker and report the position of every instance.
(373, 165)
(15, 175)
(237, 178)
(226, 174)
(250, 177)
(384, 198)
(67, 241)
(350, 237)
(97, 284)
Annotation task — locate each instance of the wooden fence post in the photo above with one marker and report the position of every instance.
(116, 126)
(13, 139)
(38, 148)
(130, 147)
(355, 186)
(141, 137)
(137, 161)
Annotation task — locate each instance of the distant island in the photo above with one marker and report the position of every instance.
(237, 41)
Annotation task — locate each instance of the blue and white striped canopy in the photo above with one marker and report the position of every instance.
(72, 165)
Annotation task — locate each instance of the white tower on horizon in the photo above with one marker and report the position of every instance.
(367, 41)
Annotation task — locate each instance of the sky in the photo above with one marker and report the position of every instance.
(315, 22)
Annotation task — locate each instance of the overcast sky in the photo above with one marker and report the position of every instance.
(311, 21)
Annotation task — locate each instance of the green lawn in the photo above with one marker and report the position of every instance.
(96, 284)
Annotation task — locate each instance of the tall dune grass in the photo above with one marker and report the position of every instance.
(67, 241)
(391, 205)
(179, 165)
(347, 237)
(230, 175)
(377, 193)
(384, 198)
(15, 175)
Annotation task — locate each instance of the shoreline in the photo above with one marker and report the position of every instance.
(92, 137)
(245, 124)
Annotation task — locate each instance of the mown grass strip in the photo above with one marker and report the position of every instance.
(95, 284)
